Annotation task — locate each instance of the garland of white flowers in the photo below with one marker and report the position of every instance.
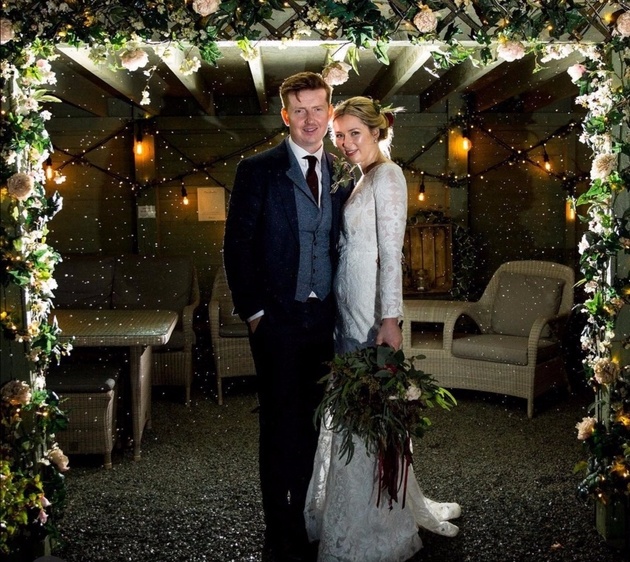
(118, 35)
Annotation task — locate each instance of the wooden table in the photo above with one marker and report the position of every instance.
(136, 329)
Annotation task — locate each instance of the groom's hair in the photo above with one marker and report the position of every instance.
(303, 81)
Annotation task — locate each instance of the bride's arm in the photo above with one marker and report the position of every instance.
(390, 194)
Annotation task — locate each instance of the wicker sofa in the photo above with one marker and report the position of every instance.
(139, 282)
(515, 348)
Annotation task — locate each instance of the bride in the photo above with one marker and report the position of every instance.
(343, 511)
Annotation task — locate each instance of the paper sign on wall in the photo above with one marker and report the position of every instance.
(211, 203)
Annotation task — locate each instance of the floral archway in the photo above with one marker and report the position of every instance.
(116, 34)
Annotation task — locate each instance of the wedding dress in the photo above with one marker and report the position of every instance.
(341, 507)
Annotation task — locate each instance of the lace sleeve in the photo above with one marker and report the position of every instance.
(390, 194)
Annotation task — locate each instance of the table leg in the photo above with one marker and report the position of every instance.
(140, 367)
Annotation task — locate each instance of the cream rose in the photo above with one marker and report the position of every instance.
(17, 393)
(585, 428)
(206, 7)
(133, 59)
(57, 457)
(511, 50)
(21, 186)
(606, 371)
(336, 73)
(603, 165)
(425, 20)
(6, 31)
(623, 24)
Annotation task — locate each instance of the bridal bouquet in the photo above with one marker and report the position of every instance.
(380, 397)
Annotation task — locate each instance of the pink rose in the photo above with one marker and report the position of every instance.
(576, 72)
(511, 50)
(205, 7)
(623, 24)
(134, 59)
(6, 31)
(425, 20)
(336, 73)
(21, 186)
(585, 428)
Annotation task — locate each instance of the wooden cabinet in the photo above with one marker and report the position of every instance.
(428, 265)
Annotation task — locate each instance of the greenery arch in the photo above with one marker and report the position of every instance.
(116, 31)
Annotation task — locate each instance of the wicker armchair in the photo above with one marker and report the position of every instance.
(230, 341)
(520, 319)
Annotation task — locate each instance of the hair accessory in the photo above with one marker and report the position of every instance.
(390, 119)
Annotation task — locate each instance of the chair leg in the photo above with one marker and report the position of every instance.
(530, 408)
(219, 390)
(187, 395)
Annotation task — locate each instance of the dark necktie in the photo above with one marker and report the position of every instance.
(311, 177)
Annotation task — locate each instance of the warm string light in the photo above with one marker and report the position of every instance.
(546, 162)
(49, 168)
(139, 147)
(466, 142)
(184, 194)
(421, 190)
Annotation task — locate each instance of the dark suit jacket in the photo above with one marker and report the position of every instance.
(261, 246)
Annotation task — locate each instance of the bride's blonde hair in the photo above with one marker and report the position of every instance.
(372, 115)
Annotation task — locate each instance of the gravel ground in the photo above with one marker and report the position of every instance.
(194, 496)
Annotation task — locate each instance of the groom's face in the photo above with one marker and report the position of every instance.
(307, 115)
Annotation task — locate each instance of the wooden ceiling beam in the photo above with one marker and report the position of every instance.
(399, 72)
(77, 90)
(455, 79)
(257, 69)
(193, 83)
(124, 83)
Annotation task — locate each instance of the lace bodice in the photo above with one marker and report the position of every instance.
(368, 284)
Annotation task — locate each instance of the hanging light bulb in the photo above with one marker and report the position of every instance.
(546, 161)
(466, 142)
(421, 191)
(184, 194)
(49, 169)
(139, 146)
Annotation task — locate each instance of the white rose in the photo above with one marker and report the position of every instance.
(413, 393)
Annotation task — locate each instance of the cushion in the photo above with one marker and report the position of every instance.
(163, 283)
(234, 330)
(90, 378)
(502, 349)
(521, 299)
(84, 282)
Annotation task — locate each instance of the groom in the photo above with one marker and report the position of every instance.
(280, 254)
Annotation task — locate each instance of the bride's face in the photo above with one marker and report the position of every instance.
(356, 140)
